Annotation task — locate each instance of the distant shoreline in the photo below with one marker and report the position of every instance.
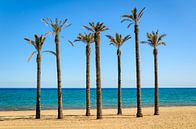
(68, 109)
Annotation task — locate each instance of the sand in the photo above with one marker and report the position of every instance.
(169, 118)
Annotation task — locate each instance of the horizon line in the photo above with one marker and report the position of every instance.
(90, 88)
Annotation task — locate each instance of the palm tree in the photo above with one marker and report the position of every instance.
(96, 29)
(38, 43)
(154, 40)
(87, 39)
(57, 27)
(134, 18)
(118, 41)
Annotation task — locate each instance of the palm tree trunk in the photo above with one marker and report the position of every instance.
(119, 83)
(38, 105)
(156, 101)
(60, 107)
(139, 109)
(88, 80)
(98, 75)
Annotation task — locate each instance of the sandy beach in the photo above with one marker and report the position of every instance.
(169, 118)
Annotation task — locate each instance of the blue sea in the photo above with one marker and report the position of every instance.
(24, 98)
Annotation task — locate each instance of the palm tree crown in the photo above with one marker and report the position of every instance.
(154, 39)
(56, 25)
(37, 43)
(118, 40)
(134, 17)
(86, 38)
(98, 27)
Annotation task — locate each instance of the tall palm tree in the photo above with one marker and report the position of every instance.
(134, 18)
(118, 41)
(154, 40)
(57, 27)
(38, 43)
(96, 29)
(87, 39)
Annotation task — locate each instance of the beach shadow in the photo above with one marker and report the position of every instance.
(6, 118)
(124, 116)
(71, 117)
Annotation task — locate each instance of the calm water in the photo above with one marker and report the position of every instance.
(24, 99)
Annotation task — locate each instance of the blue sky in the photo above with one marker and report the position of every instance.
(176, 18)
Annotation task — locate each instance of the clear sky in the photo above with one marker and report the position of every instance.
(22, 18)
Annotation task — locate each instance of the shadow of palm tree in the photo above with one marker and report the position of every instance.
(70, 117)
(5, 118)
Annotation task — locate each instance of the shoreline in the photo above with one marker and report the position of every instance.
(180, 117)
(54, 109)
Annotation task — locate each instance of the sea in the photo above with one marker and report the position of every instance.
(14, 99)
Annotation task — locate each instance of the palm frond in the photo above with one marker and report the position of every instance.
(129, 18)
(31, 56)
(126, 16)
(50, 20)
(68, 25)
(123, 40)
(140, 14)
(76, 40)
(143, 42)
(88, 28)
(51, 52)
(71, 43)
(126, 38)
(45, 21)
(30, 41)
(92, 25)
(64, 24)
(112, 44)
(161, 37)
(129, 25)
(101, 27)
(42, 40)
(104, 29)
(118, 38)
(56, 21)
(112, 40)
(36, 39)
(162, 43)
(123, 20)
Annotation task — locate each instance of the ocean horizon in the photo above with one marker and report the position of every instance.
(15, 99)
